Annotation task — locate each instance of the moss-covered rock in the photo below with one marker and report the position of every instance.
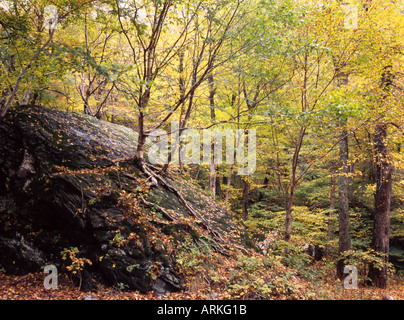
(66, 182)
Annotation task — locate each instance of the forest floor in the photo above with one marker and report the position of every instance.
(30, 287)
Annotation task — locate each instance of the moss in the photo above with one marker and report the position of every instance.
(180, 232)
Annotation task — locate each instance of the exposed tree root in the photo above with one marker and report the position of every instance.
(222, 245)
(153, 173)
(162, 210)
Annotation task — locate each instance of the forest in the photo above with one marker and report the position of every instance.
(199, 149)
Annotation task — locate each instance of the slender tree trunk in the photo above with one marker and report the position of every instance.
(343, 204)
(289, 217)
(331, 215)
(266, 182)
(212, 167)
(197, 172)
(344, 236)
(212, 92)
(245, 188)
(228, 186)
(212, 177)
(228, 182)
(143, 102)
(87, 109)
(290, 196)
(139, 156)
(141, 140)
(27, 97)
(181, 84)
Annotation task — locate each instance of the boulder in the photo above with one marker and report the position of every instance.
(69, 190)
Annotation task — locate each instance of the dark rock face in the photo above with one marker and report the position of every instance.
(21, 256)
(62, 187)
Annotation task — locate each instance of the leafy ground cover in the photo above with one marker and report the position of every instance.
(30, 287)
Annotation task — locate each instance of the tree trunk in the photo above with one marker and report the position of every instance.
(343, 180)
(381, 226)
(343, 204)
(266, 182)
(331, 215)
(219, 193)
(245, 188)
(212, 177)
(139, 156)
(228, 182)
(381, 221)
(212, 167)
(289, 217)
(228, 186)
(290, 195)
(218, 187)
(181, 84)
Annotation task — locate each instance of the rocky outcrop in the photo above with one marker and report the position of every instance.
(69, 193)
